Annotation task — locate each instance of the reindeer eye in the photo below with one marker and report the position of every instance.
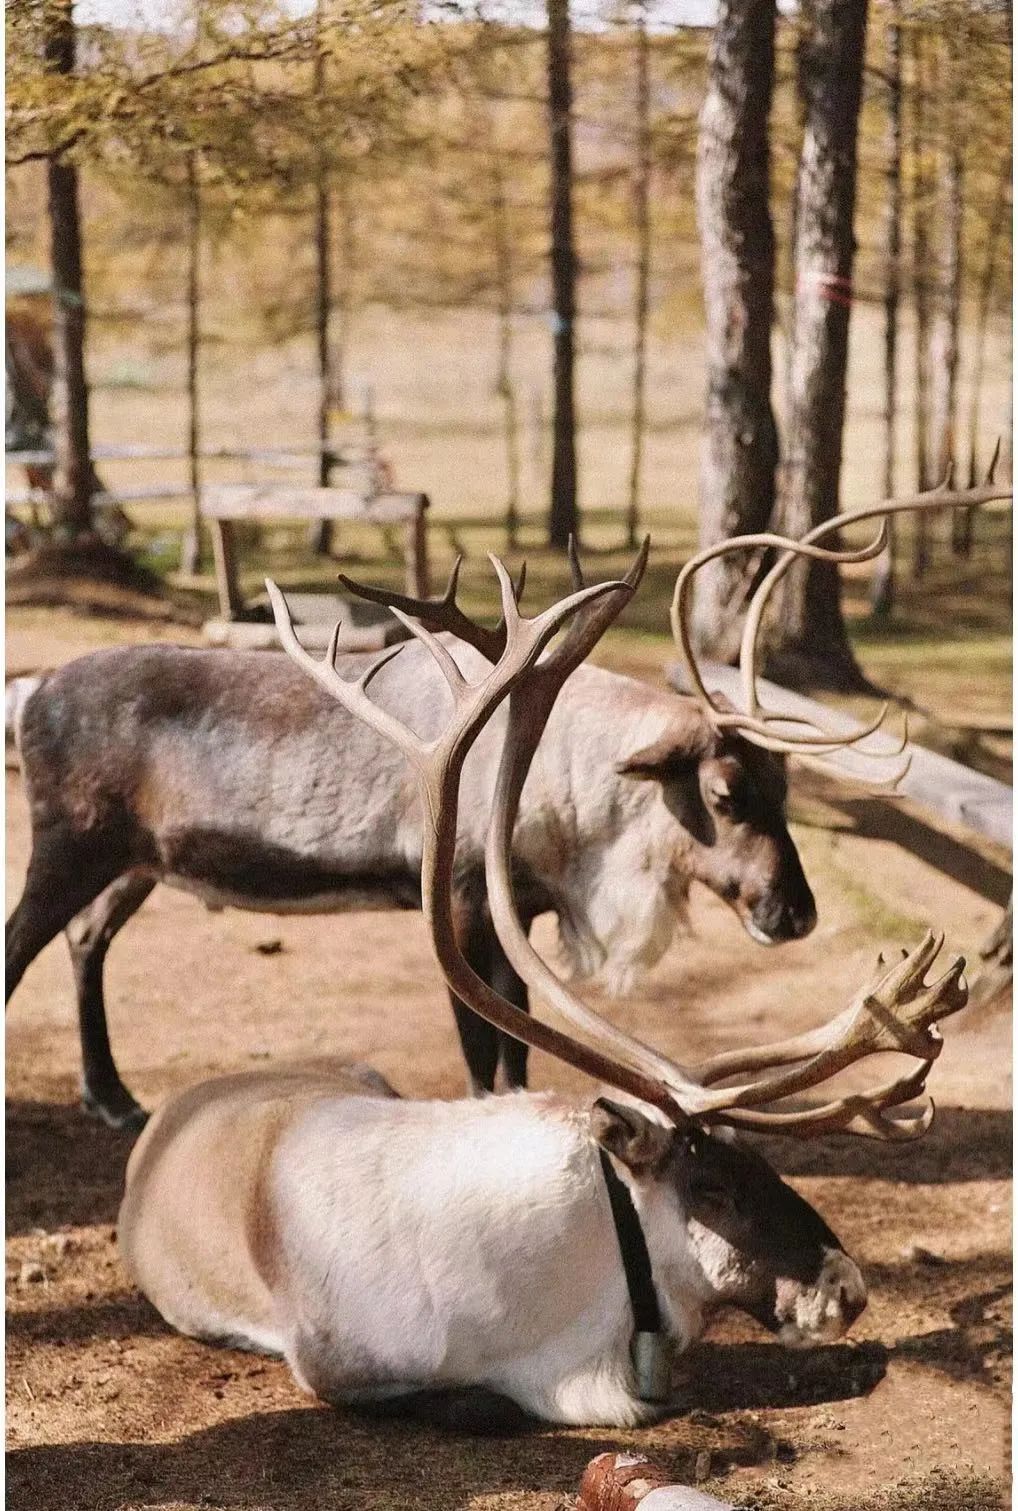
(713, 1192)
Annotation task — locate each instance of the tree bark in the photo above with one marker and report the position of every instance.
(920, 294)
(563, 515)
(987, 279)
(641, 197)
(808, 639)
(740, 445)
(322, 532)
(504, 384)
(190, 551)
(945, 341)
(72, 476)
(882, 589)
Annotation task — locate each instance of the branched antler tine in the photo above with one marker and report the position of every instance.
(455, 679)
(547, 623)
(754, 617)
(436, 614)
(350, 694)
(851, 1114)
(449, 596)
(895, 1013)
(510, 605)
(941, 497)
(332, 649)
(521, 583)
(887, 786)
(366, 679)
(829, 739)
(588, 628)
(679, 613)
(575, 569)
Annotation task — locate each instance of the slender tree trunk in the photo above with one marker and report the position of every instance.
(945, 340)
(987, 279)
(882, 590)
(504, 385)
(322, 532)
(920, 294)
(808, 637)
(641, 196)
(190, 551)
(740, 447)
(563, 517)
(344, 301)
(72, 474)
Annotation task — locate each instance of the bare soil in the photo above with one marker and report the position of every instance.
(107, 1408)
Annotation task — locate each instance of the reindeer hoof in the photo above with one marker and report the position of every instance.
(120, 1112)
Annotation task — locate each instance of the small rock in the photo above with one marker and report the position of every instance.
(269, 947)
(701, 1468)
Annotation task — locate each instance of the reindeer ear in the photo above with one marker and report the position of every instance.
(681, 746)
(632, 1137)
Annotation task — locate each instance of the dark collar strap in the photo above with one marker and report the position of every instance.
(633, 1248)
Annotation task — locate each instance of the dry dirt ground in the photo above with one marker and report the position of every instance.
(109, 1409)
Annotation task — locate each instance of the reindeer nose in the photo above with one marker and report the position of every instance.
(848, 1288)
(779, 920)
(853, 1303)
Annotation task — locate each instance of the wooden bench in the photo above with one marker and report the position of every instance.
(223, 504)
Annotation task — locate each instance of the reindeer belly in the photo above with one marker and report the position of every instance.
(233, 870)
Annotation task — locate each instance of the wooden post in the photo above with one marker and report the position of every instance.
(227, 586)
(417, 574)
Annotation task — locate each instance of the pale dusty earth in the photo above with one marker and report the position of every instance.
(107, 1408)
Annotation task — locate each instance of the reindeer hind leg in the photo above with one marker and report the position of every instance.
(89, 936)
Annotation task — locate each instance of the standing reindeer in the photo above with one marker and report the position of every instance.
(230, 775)
(553, 1256)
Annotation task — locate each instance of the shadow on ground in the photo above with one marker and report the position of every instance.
(63, 1168)
(295, 1459)
(963, 1144)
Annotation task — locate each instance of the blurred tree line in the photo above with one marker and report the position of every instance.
(422, 157)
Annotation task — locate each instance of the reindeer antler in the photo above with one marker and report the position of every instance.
(443, 613)
(895, 1012)
(438, 766)
(755, 723)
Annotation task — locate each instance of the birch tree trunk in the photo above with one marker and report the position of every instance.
(808, 638)
(563, 515)
(72, 473)
(882, 589)
(740, 448)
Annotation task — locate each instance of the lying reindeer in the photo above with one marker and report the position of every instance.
(230, 775)
(549, 1254)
